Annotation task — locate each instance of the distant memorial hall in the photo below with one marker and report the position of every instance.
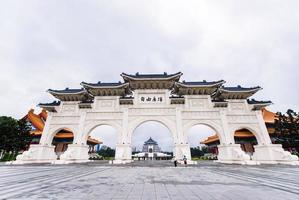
(151, 151)
(178, 105)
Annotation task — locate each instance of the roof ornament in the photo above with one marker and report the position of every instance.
(99, 82)
(137, 74)
(67, 88)
(204, 81)
(239, 86)
(165, 73)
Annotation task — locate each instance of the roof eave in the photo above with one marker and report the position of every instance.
(259, 106)
(86, 85)
(199, 86)
(249, 90)
(129, 77)
(56, 92)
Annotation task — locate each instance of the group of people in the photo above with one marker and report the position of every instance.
(176, 162)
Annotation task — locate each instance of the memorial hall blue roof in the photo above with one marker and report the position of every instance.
(150, 141)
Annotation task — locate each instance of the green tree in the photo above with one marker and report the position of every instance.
(14, 135)
(106, 152)
(23, 135)
(287, 129)
(198, 152)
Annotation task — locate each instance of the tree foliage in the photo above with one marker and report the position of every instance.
(287, 129)
(198, 152)
(106, 152)
(14, 134)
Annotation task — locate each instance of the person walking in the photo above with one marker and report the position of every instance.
(185, 160)
(175, 162)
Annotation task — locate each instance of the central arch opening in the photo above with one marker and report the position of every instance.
(203, 141)
(152, 140)
(105, 138)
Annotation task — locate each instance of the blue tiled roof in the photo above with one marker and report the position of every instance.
(54, 103)
(253, 101)
(150, 141)
(67, 90)
(195, 83)
(176, 97)
(127, 97)
(100, 84)
(239, 88)
(164, 75)
(219, 101)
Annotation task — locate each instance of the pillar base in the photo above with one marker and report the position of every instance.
(75, 153)
(181, 150)
(123, 152)
(189, 162)
(119, 162)
(37, 153)
(274, 154)
(233, 154)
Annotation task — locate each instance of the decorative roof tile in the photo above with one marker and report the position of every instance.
(235, 92)
(152, 76)
(201, 83)
(240, 89)
(70, 94)
(102, 84)
(67, 91)
(54, 103)
(253, 101)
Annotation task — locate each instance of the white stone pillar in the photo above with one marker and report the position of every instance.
(268, 153)
(37, 153)
(181, 147)
(79, 135)
(179, 135)
(46, 135)
(263, 133)
(78, 151)
(42, 152)
(226, 136)
(123, 148)
(228, 151)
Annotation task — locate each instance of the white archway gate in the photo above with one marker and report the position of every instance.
(161, 98)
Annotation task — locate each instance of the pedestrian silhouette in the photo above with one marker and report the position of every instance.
(175, 162)
(185, 160)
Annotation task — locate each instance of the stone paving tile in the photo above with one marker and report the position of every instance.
(206, 181)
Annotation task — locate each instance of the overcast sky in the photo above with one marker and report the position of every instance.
(58, 44)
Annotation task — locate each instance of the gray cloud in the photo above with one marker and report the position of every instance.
(57, 44)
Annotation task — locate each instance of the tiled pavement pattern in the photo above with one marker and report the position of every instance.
(157, 180)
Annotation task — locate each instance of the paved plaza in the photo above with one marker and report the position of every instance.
(149, 180)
